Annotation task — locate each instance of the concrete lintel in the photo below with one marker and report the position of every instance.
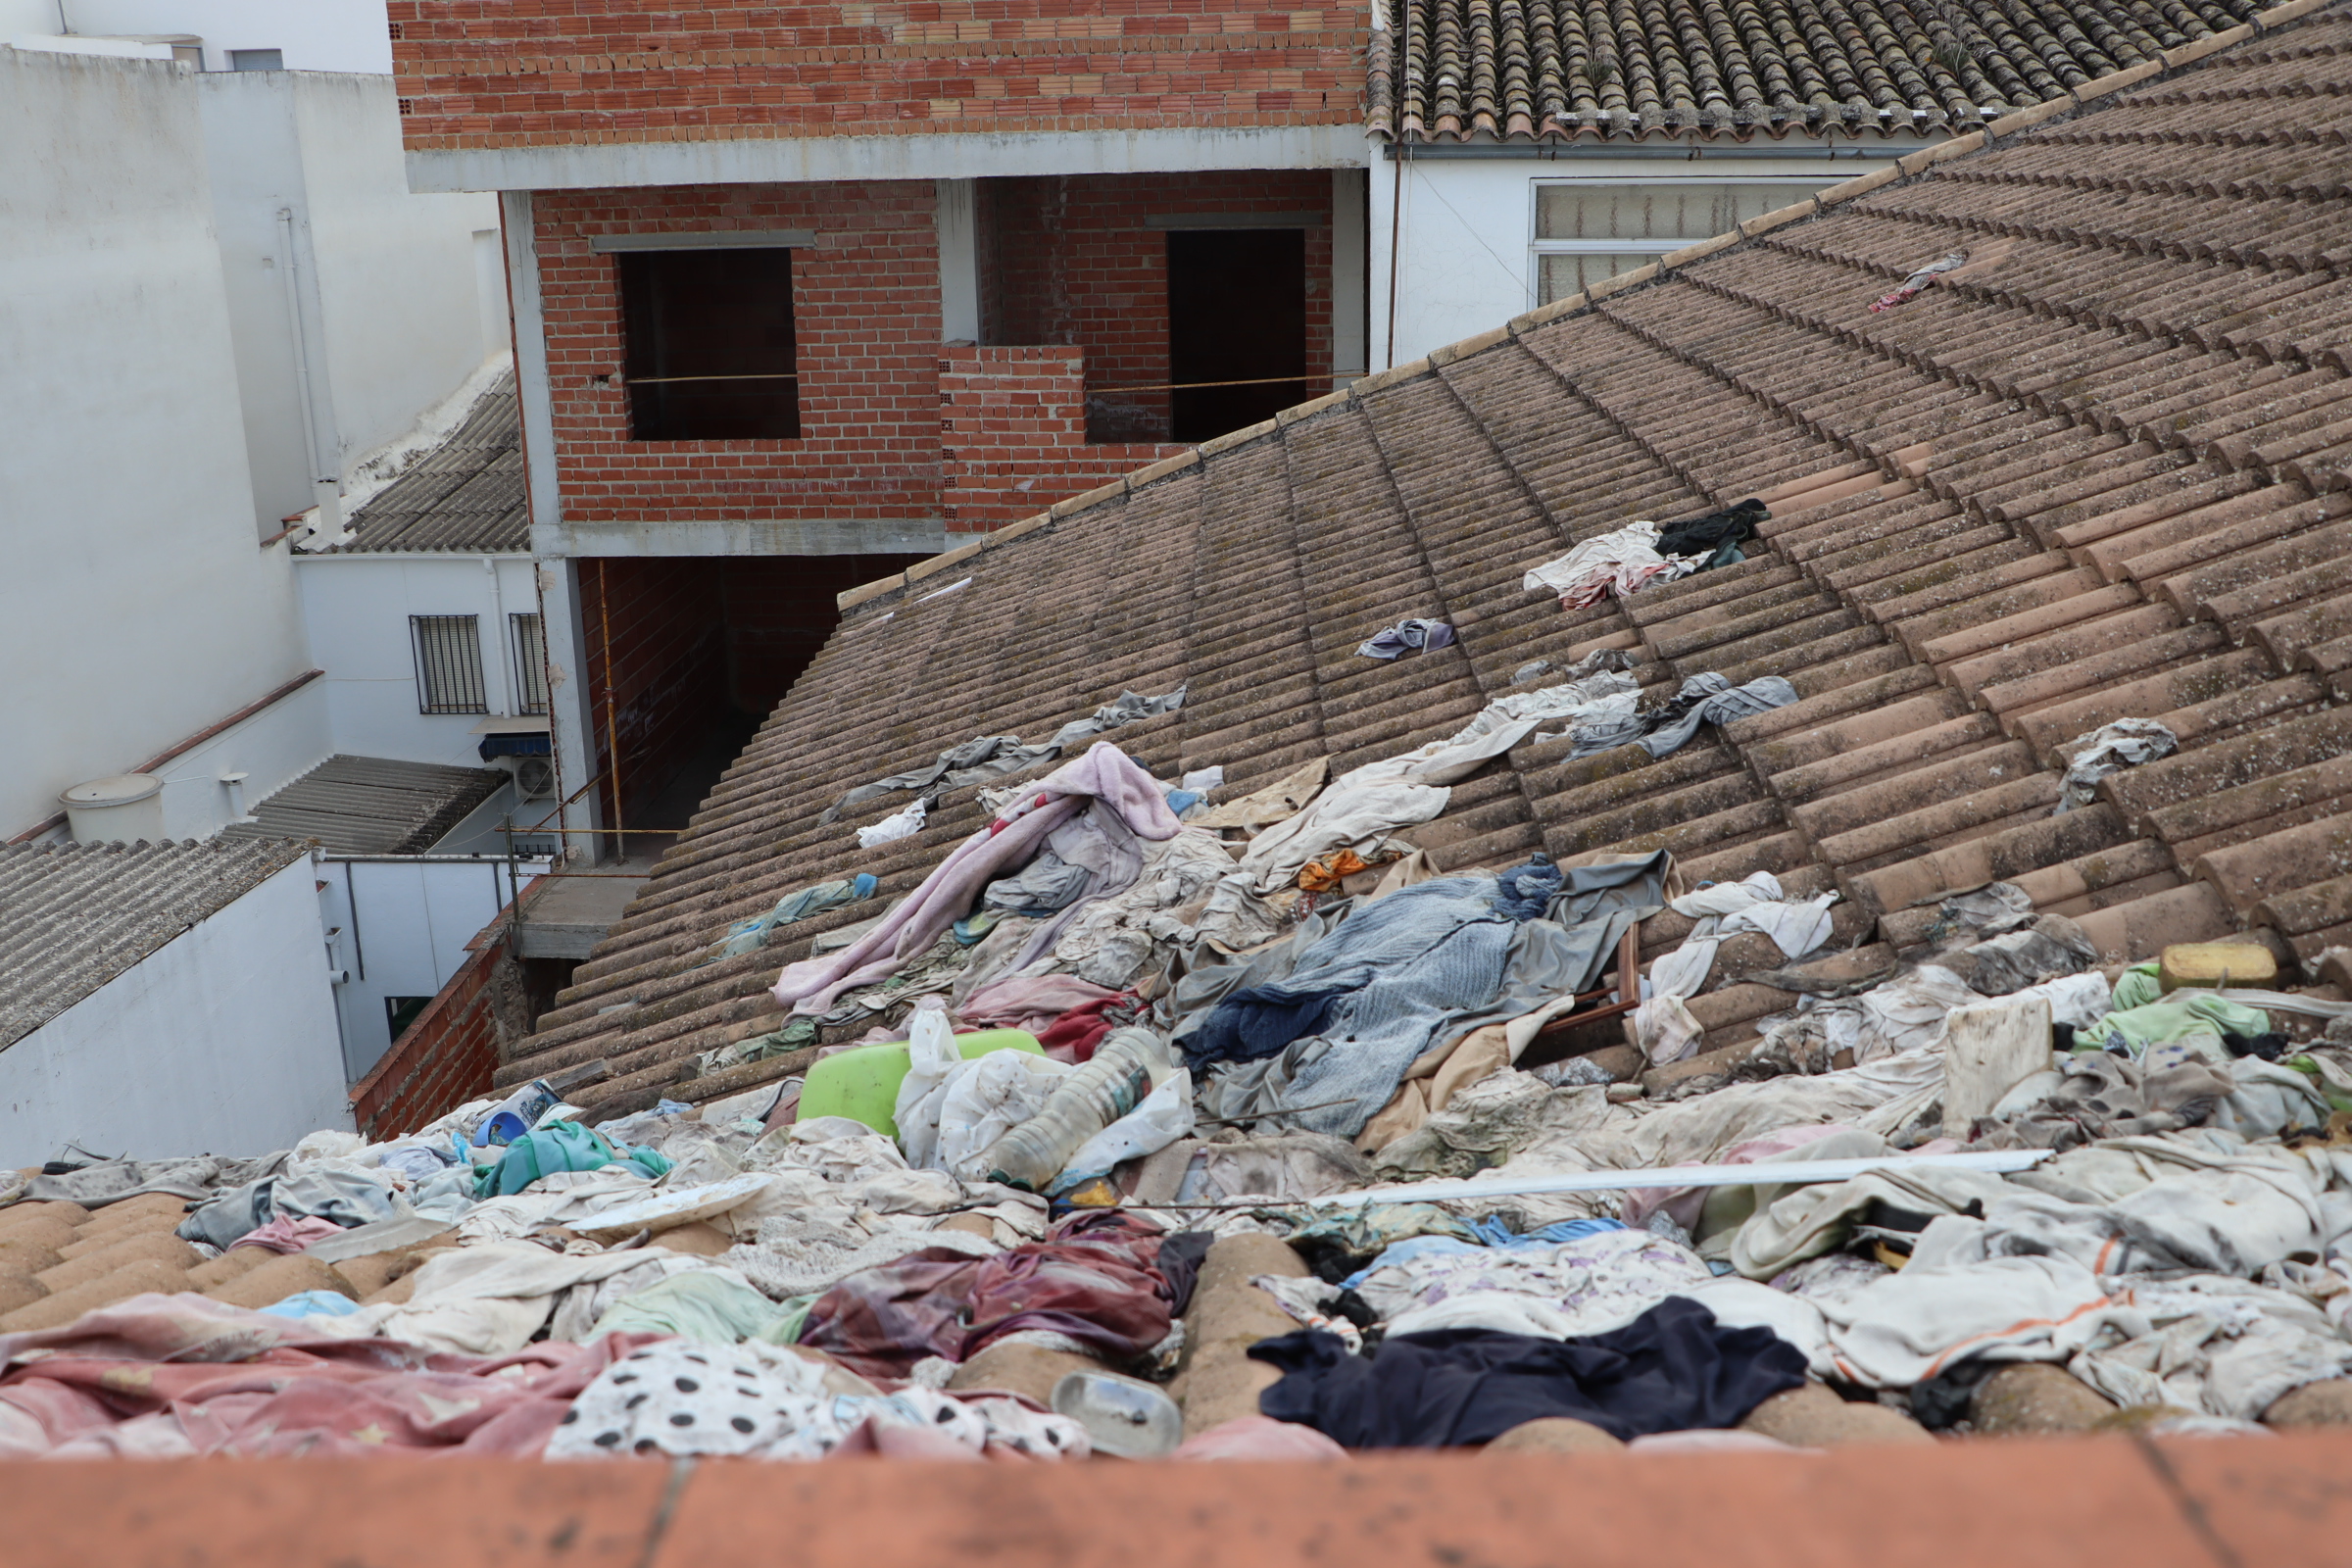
(779, 537)
(950, 155)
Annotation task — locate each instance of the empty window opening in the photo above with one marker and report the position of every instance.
(449, 665)
(1237, 327)
(402, 1012)
(710, 352)
(1595, 229)
(529, 641)
(256, 60)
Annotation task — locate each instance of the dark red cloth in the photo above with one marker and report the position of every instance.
(1095, 1278)
(1081, 1029)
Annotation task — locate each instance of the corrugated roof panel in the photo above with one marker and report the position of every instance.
(466, 495)
(373, 804)
(73, 918)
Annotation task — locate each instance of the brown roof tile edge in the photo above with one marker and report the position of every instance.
(2166, 1500)
(1664, 267)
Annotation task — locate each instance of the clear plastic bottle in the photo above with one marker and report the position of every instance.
(1084, 1102)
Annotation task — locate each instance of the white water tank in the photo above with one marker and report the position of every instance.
(124, 808)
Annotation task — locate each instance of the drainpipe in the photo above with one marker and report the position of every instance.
(503, 642)
(326, 493)
(1395, 232)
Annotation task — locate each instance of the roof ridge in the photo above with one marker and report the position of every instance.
(2072, 101)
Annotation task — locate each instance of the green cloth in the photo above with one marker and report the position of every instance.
(2179, 1016)
(560, 1146)
(705, 1306)
(2137, 987)
(793, 1317)
(2334, 1079)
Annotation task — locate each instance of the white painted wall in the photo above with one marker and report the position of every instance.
(358, 608)
(138, 610)
(271, 749)
(355, 305)
(399, 281)
(414, 919)
(310, 34)
(223, 1041)
(1463, 257)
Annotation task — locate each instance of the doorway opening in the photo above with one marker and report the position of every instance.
(1236, 316)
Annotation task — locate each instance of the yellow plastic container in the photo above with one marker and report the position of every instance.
(863, 1084)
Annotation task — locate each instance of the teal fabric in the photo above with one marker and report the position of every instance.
(750, 936)
(561, 1146)
(314, 1303)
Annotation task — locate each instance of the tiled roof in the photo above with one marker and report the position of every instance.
(2104, 472)
(73, 918)
(466, 495)
(373, 804)
(1451, 70)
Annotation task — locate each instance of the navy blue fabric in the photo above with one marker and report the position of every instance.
(1672, 1369)
(1527, 888)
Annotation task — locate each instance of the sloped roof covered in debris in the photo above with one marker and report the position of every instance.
(74, 917)
(465, 496)
(1454, 69)
(2103, 471)
(373, 804)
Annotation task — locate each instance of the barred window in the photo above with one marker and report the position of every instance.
(449, 664)
(530, 665)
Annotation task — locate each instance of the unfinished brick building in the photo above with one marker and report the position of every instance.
(800, 295)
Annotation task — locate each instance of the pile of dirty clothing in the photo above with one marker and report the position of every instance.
(1165, 1119)
(1990, 1180)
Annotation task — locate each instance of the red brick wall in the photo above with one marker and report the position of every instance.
(525, 73)
(691, 637)
(1015, 426)
(656, 666)
(444, 1058)
(1070, 261)
(866, 303)
(779, 612)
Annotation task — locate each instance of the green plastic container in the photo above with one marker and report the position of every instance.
(863, 1084)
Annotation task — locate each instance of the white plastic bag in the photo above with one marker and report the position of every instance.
(931, 1044)
(1165, 1115)
(984, 1098)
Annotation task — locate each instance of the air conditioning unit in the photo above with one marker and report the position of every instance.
(534, 776)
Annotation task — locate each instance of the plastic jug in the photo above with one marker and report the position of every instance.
(1126, 1417)
(863, 1084)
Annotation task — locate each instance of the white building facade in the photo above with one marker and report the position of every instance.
(225, 308)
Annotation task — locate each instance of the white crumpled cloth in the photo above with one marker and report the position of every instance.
(1621, 562)
(1366, 804)
(480, 1301)
(2109, 748)
(900, 824)
(1906, 1327)
(2213, 1343)
(1586, 1286)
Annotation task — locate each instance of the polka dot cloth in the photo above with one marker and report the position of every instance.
(682, 1398)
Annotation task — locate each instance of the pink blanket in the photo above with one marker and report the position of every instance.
(1105, 774)
(170, 1376)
